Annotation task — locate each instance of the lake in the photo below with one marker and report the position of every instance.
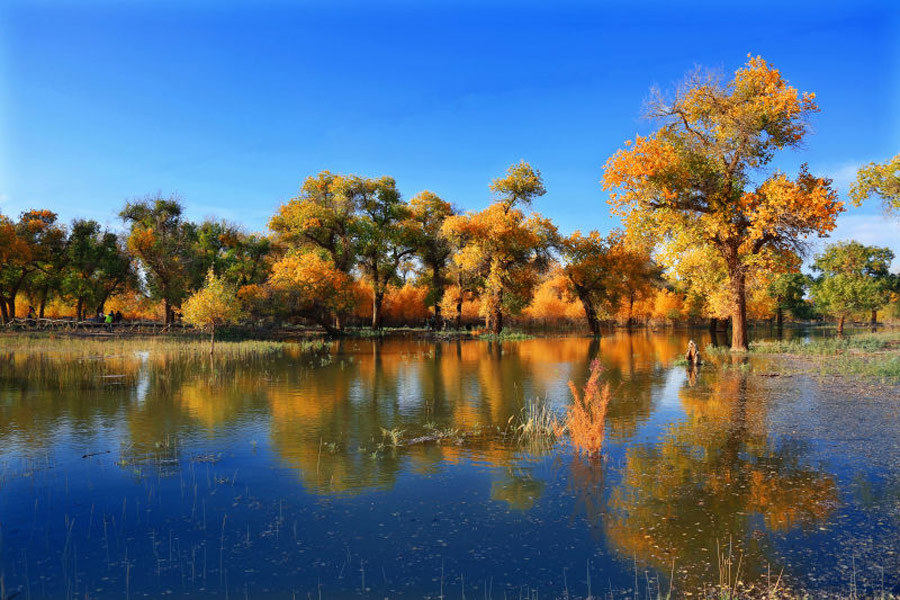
(149, 474)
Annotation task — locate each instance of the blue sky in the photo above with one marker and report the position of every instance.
(232, 105)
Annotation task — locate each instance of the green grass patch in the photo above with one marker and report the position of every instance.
(828, 346)
(506, 336)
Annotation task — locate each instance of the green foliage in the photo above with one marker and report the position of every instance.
(239, 258)
(880, 180)
(789, 291)
(30, 248)
(164, 244)
(433, 248)
(854, 278)
(825, 346)
(97, 265)
(384, 235)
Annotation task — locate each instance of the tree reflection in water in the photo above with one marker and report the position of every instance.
(715, 479)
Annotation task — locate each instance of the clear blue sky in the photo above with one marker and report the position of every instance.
(233, 105)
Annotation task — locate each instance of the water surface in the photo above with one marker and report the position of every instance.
(147, 474)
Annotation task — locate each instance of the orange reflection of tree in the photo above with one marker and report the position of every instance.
(708, 479)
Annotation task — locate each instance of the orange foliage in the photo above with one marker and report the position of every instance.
(406, 305)
(687, 180)
(402, 306)
(471, 307)
(668, 306)
(551, 302)
(586, 417)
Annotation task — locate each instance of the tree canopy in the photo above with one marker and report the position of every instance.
(698, 175)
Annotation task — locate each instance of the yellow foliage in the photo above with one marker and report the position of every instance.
(213, 305)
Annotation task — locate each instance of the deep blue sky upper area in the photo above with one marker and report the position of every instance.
(233, 105)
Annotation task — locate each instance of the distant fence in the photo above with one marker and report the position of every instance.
(39, 324)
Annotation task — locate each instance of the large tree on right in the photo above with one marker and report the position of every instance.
(705, 175)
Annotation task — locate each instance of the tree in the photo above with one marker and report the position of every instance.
(433, 248)
(240, 258)
(165, 246)
(213, 305)
(882, 180)
(311, 286)
(639, 277)
(507, 249)
(30, 246)
(789, 291)
(591, 269)
(97, 265)
(322, 217)
(854, 279)
(694, 176)
(384, 238)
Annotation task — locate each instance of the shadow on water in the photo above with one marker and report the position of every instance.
(382, 467)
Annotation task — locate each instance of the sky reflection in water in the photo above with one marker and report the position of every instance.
(272, 477)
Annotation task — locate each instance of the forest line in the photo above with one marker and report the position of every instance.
(704, 237)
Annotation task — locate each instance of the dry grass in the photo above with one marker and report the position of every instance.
(586, 417)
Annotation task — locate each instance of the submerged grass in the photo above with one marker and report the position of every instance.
(75, 347)
(536, 427)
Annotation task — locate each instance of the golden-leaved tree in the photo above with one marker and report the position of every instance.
(881, 180)
(213, 305)
(704, 175)
(508, 249)
(310, 286)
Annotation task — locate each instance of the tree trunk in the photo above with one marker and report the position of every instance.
(79, 309)
(496, 322)
(840, 330)
(11, 306)
(874, 320)
(713, 325)
(739, 310)
(3, 312)
(459, 299)
(438, 295)
(167, 308)
(779, 317)
(377, 301)
(630, 321)
(212, 341)
(590, 312)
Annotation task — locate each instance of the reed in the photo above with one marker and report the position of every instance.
(536, 426)
(586, 417)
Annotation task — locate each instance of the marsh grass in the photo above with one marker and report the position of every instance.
(80, 347)
(536, 426)
(506, 336)
(881, 366)
(873, 342)
(71, 362)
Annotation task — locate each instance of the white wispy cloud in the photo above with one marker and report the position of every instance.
(871, 229)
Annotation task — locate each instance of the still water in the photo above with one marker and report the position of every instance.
(147, 474)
